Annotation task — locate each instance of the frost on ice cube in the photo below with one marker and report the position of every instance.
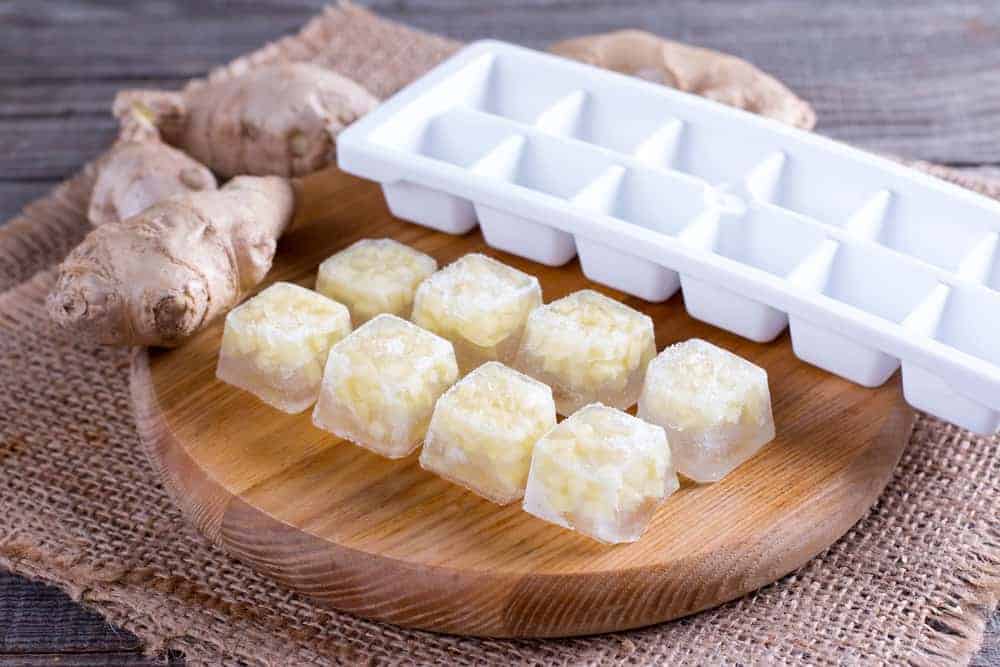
(484, 429)
(714, 405)
(601, 472)
(380, 385)
(275, 344)
(374, 276)
(480, 305)
(588, 348)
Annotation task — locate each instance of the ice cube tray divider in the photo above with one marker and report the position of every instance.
(760, 225)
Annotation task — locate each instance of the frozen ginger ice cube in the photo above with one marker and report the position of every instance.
(714, 405)
(588, 348)
(374, 276)
(380, 385)
(480, 305)
(484, 429)
(275, 344)
(601, 472)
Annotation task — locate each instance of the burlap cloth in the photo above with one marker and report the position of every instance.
(81, 508)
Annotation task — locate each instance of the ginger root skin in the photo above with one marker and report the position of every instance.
(160, 276)
(270, 120)
(141, 170)
(717, 76)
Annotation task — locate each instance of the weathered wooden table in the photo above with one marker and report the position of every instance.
(919, 78)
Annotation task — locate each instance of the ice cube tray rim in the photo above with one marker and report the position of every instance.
(358, 154)
(357, 132)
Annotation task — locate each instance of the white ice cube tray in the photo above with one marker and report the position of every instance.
(871, 264)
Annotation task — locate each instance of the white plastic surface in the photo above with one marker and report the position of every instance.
(872, 265)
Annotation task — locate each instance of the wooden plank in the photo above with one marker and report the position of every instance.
(989, 654)
(35, 618)
(35, 149)
(88, 660)
(42, 99)
(15, 196)
(56, 40)
(921, 80)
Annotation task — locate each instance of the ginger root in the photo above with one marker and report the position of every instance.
(159, 276)
(141, 170)
(183, 252)
(274, 119)
(714, 75)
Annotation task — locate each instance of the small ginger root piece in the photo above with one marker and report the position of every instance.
(140, 170)
(717, 76)
(271, 120)
(159, 276)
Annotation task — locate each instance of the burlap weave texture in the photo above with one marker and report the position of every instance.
(80, 506)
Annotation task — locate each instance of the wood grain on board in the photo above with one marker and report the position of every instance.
(391, 541)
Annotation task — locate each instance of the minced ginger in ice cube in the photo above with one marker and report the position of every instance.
(588, 348)
(714, 405)
(380, 385)
(484, 429)
(374, 276)
(480, 305)
(275, 344)
(601, 472)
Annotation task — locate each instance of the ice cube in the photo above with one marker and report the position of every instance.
(374, 276)
(480, 305)
(484, 429)
(275, 344)
(601, 472)
(588, 348)
(714, 405)
(380, 385)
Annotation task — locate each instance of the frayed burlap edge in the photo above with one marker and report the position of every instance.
(48, 228)
(957, 629)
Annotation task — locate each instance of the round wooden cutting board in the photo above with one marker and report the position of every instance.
(387, 540)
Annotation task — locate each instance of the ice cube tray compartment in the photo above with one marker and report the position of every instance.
(509, 90)
(764, 238)
(875, 284)
(830, 189)
(453, 138)
(541, 166)
(664, 203)
(956, 398)
(870, 266)
(706, 150)
(599, 120)
(950, 234)
(537, 165)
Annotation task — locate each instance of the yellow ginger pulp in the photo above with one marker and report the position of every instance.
(285, 329)
(476, 299)
(714, 405)
(484, 429)
(695, 385)
(601, 471)
(374, 276)
(386, 376)
(588, 341)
